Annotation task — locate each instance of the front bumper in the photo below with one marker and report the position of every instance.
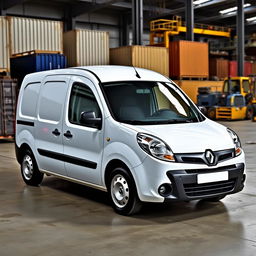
(185, 186)
(153, 173)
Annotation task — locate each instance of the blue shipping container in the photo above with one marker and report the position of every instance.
(23, 65)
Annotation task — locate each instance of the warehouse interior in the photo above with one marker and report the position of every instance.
(207, 47)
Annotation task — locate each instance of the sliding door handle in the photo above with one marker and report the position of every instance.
(68, 134)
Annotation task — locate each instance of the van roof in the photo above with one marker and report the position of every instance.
(107, 73)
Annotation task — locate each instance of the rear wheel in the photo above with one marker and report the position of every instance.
(29, 170)
(123, 193)
(249, 112)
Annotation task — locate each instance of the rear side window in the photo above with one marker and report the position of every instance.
(29, 99)
(53, 96)
(82, 100)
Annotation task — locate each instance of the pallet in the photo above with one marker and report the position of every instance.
(34, 52)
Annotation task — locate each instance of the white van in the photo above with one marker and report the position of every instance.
(130, 132)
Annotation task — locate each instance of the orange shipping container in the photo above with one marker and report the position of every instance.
(218, 67)
(153, 58)
(189, 59)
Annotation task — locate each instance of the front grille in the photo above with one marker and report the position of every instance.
(199, 158)
(208, 189)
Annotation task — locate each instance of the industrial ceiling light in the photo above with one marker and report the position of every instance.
(232, 9)
(252, 19)
(197, 2)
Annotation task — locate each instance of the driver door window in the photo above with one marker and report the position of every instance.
(82, 100)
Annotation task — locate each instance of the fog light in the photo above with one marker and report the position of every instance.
(165, 189)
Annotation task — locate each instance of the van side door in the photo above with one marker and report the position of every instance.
(83, 145)
(49, 133)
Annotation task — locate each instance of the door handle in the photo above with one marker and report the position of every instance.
(68, 134)
(56, 132)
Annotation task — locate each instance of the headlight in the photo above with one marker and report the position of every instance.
(236, 140)
(155, 147)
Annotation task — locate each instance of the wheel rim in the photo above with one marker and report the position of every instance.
(120, 191)
(27, 167)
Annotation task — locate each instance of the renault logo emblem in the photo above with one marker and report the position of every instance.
(209, 156)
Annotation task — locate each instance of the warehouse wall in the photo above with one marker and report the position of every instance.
(104, 20)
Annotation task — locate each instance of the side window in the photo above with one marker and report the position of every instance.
(53, 96)
(29, 99)
(82, 100)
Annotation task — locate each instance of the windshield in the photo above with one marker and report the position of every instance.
(149, 103)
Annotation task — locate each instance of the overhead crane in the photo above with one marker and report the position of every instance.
(162, 29)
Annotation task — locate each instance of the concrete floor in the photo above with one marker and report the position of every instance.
(61, 218)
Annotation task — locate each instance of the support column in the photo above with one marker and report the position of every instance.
(240, 37)
(137, 21)
(189, 20)
(124, 30)
(69, 21)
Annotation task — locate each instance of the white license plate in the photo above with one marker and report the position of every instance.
(212, 177)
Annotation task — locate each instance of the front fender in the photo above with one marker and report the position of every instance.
(124, 153)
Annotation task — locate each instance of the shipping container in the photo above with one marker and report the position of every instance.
(4, 45)
(233, 68)
(149, 57)
(35, 34)
(86, 47)
(254, 68)
(189, 59)
(19, 35)
(190, 87)
(23, 65)
(8, 97)
(218, 68)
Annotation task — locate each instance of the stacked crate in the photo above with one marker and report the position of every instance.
(8, 95)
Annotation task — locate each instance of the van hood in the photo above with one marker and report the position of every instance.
(190, 137)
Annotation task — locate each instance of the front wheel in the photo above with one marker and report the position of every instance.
(123, 193)
(29, 170)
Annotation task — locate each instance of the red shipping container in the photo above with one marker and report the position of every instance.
(233, 68)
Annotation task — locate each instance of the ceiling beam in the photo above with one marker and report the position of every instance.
(10, 3)
(87, 7)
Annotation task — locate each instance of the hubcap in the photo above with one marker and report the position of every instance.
(119, 191)
(27, 167)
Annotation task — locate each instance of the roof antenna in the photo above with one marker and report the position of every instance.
(137, 74)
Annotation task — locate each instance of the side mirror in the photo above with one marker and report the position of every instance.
(89, 119)
(203, 110)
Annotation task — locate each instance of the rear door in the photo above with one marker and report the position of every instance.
(49, 133)
(83, 145)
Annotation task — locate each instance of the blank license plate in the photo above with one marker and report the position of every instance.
(212, 177)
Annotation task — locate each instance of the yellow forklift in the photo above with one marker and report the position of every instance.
(236, 101)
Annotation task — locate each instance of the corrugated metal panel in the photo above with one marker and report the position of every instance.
(233, 68)
(86, 47)
(4, 44)
(23, 65)
(190, 87)
(218, 68)
(35, 34)
(153, 58)
(7, 107)
(189, 59)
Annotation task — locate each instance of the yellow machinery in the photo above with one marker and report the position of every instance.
(236, 101)
(162, 29)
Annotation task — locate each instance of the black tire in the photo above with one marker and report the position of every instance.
(29, 169)
(249, 112)
(211, 113)
(214, 199)
(123, 193)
